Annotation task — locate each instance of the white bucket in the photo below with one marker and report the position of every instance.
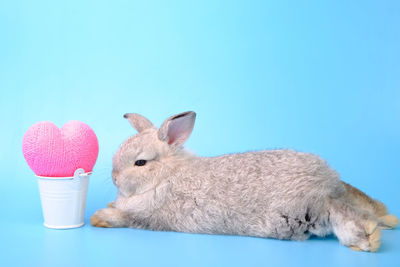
(64, 200)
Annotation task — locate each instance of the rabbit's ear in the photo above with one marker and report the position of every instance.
(139, 122)
(177, 129)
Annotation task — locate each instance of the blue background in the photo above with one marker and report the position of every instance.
(316, 76)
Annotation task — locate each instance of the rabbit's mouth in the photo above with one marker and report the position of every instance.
(136, 189)
(126, 191)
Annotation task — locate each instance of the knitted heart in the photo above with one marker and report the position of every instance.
(54, 152)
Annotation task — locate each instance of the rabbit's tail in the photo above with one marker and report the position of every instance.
(372, 206)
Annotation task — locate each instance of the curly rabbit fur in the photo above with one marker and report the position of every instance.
(275, 193)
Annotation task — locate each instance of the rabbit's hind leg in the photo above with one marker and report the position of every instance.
(376, 208)
(353, 227)
(388, 221)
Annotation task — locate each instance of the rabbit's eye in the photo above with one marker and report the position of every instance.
(140, 162)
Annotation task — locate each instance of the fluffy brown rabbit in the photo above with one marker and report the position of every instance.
(274, 193)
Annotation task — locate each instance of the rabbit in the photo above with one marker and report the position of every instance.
(280, 194)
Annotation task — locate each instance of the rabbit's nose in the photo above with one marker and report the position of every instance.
(114, 175)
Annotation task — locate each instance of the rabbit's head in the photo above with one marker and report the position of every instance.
(144, 159)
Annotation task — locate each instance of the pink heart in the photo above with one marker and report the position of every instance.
(54, 152)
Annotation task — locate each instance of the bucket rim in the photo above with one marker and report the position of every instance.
(78, 173)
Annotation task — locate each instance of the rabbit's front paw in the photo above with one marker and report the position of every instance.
(109, 217)
(98, 220)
